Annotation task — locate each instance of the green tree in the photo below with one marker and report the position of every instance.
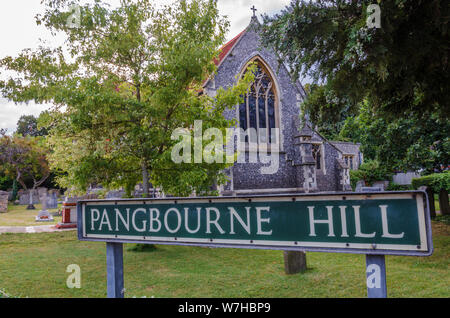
(24, 158)
(402, 67)
(403, 144)
(133, 77)
(387, 87)
(27, 125)
(327, 111)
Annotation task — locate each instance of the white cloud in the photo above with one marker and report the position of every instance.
(18, 31)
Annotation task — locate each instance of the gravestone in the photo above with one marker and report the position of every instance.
(3, 201)
(24, 197)
(370, 189)
(44, 215)
(115, 194)
(52, 199)
(381, 184)
(359, 185)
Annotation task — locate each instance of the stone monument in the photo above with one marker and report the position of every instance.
(52, 199)
(44, 215)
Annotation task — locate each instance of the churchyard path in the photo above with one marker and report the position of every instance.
(32, 229)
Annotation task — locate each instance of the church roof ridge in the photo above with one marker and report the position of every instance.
(227, 47)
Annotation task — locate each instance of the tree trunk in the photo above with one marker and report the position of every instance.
(30, 205)
(145, 183)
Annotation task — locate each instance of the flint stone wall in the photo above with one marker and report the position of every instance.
(4, 201)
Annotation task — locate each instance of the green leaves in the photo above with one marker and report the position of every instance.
(331, 42)
(134, 76)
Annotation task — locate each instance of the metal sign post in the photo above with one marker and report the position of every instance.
(376, 276)
(114, 270)
(375, 224)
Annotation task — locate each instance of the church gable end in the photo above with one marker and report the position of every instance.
(306, 163)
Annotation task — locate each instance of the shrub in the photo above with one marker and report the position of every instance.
(370, 171)
(398, 187)
(435, 181)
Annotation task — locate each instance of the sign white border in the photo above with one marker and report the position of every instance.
(424, 249)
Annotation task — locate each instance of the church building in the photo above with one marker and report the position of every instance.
(307, 161)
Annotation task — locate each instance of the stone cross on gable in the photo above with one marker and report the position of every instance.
(254, 10)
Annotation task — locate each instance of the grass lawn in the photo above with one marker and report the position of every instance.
(34, 265)
(18, 215)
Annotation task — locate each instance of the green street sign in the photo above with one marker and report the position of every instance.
(381, 223)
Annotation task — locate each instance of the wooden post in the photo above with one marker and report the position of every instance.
(443, 202)
(376, 276)
(114, 270)
(294, 262)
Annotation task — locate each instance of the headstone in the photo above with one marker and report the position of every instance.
(44, 215)
(52, 199)
(24, 197)
(69, 212)
(3, 201)
(359, 185)
(370, 189)
(115, 194)
(381, 184)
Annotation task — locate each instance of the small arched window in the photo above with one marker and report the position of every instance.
(258, 110)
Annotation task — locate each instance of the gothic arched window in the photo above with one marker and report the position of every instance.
(258, 109)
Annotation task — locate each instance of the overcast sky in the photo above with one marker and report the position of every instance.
(18, 31)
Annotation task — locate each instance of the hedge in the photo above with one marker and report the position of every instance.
(435, 181)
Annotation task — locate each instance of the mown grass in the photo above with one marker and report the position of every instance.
(34, 265)
(18, 215)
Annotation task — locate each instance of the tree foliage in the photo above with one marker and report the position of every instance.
(401, 67)
(387, 88)
(23, 159)
(326, 110)
(27, 125)
(435, 181)
(412, 143)
(132, 77)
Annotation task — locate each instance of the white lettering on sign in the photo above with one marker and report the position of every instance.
(166, 223)
(384, 222)
(343, 221)
(186, 221)
(374, 276)
(235, 215)
(359, 233)
(125, 223)
(94, 219)
(215, 221)
(133, 220)
(154, 218)
(357, 217)
(105, 220)
(261, 220)
(172, 220)
(328, 221)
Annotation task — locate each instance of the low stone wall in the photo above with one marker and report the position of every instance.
(4, 201)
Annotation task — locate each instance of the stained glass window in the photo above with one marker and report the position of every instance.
(317, 155)
(258, 109)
